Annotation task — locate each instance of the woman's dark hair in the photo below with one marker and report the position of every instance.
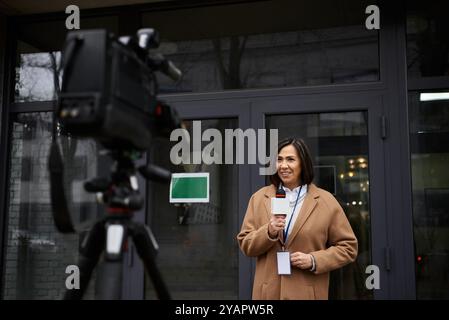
(304, 157)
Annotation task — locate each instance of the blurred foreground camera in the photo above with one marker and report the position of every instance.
(109, 93)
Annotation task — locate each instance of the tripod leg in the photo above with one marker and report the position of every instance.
(110, 273)
(90, 251)
(147, 249)
(110, 277)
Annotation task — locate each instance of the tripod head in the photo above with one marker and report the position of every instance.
(120, 193)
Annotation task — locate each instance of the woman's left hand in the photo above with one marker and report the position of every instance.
(301, 260)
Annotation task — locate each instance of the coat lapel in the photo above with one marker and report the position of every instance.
(310, 201)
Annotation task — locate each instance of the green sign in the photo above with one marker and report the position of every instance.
(189, 187)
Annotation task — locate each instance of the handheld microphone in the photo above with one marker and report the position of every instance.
(280, 192)
(280, 204)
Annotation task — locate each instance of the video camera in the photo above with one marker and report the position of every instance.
(109, 89)
(109, 93)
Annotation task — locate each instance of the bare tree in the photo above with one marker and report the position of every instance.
(230, 77)
(56, 72)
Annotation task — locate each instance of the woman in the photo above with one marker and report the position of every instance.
(316, 233)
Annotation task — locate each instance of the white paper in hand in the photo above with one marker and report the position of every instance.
(280, 206)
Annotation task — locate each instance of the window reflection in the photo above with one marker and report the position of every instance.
(268, 44)
(38, 77)
(427, 39)
(429, 134)
(298, 58)
(227, 47)
(36, 254)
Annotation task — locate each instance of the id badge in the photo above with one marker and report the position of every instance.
(284, 267)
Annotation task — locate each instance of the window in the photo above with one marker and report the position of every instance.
(37, 255)
(427, 39)
(429, 133)
(267, 44)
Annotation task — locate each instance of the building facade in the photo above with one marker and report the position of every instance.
(371, 104)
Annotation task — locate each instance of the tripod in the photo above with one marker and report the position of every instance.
(109, 235)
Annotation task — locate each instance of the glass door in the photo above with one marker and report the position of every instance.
(346, 146)
(198, 255)
(339, 145)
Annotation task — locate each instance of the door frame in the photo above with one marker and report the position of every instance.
(251, 106)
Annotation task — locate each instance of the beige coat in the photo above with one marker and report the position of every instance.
(321, 229)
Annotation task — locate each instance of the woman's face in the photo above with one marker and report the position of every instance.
(289, 166)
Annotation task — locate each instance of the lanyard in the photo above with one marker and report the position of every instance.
(291, 216)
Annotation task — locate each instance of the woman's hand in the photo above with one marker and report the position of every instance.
(301, 260)
(277, 223)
